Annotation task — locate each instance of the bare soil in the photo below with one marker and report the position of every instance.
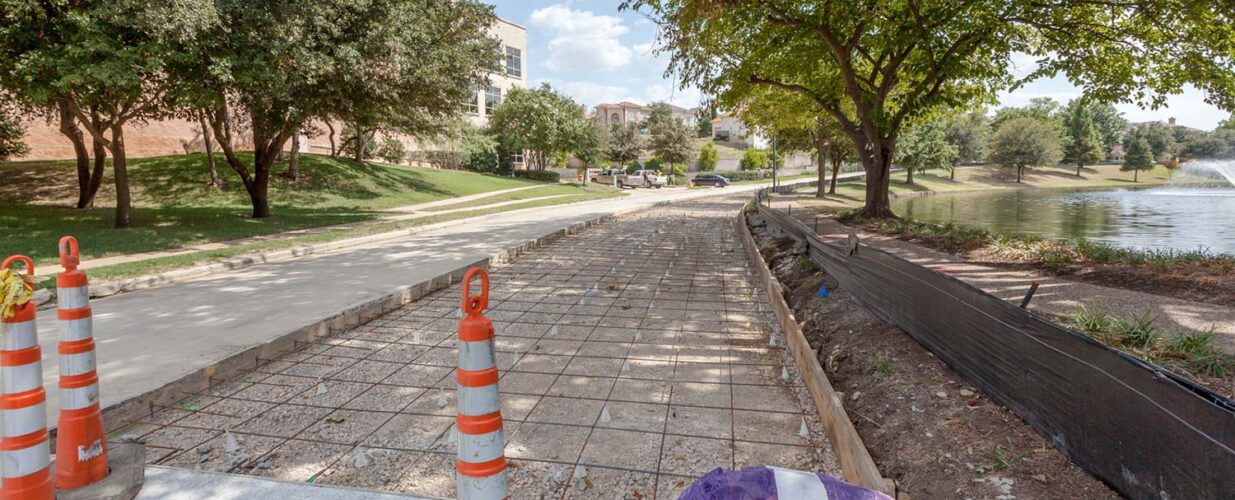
(926, 426)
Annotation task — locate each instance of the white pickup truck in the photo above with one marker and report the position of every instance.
(643, 178)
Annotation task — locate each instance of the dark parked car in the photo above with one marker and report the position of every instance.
(710, 180)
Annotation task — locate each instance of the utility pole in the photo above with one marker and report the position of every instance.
(774, 180)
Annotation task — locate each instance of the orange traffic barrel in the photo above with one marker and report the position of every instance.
(81, 445)
(481, 463)
(25, 456)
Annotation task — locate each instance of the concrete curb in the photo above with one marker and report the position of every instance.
(124, 412)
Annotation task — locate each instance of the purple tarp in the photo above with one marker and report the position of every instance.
(773, 482)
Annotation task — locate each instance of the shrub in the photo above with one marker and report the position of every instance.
(391, 151)
(452, 160)
(708, 157)
(538, 175)
(754, 159)
(749, 175)
(654, 164)
(480, 152)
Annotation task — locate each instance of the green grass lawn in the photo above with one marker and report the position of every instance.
(173, 207)
(537, 192)
(851, 194)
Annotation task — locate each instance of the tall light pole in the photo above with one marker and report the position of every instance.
(774, 183)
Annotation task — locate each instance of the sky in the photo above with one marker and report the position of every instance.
(596, 54)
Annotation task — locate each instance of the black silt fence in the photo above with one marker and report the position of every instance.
(1146, 432)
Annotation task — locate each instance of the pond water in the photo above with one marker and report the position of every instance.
(1161, 218)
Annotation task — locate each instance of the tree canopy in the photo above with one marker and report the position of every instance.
(624, 144)
(925, 147)
(539, 120)
(874, 66)
(1082, 146)
(1025, 142)
(1139, 155)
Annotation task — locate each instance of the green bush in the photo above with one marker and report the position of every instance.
(754, 159)
(391, 151)
(749, 175)
(11, 134)
(450, 160)
(538, 175)
(480, 151)
(654, 164)
(708, 157)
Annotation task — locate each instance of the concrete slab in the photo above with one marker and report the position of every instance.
(169, 483)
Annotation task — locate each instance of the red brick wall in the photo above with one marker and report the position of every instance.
(155, 138)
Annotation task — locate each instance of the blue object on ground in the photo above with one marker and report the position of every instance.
(823, 292)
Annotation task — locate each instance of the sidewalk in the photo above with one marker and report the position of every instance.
(1055, 296)
(634, 358)
(406, 212)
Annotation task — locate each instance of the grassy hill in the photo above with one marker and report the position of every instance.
(173, 206)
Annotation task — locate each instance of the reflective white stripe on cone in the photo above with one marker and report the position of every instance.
(482, 488)
(474, 401)
(21, 421)
(479, 448)
(26, 461)
(80, 397)
(21, 378)
(18, 336)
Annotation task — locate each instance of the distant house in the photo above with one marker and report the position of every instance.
(728, 128)
(629, 112)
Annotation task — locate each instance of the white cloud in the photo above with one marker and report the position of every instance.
(591, 93)
(688, 97)
(582, 42)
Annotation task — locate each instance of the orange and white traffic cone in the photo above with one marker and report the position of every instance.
(25, 456)
(481, 460)
(81, 445)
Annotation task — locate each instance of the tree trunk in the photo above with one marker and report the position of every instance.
(120, 169)
(1136, 173)
(259, 190)
(1019, 169)
(836, 162)
(215, 180)
(1078, 168)
(821, 148)
(909, 175)
(96, 176)
(877, 163)
(952, 174)
(293, 161)
(360, 140)
(334, 152)
(68, 127)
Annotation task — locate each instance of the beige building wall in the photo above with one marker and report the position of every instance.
(174, 136)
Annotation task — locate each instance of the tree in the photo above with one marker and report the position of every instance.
(704, 118)
(1159, 136)
(708, 157)
(1110, 124)
(876, 66)
(11, 134)
(925, 147)
(1044, 109)
(379, 64)
(100, 66)
(658, 112)
(624, 144)
(541, 121)
(673, 143)
(589, 142)
(1081, 145)
(1024, 142)
(970, 132)
(1139, 155)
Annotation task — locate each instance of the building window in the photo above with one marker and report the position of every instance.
(493, 96)
(514, 62)
(472, 106)
(516, 159)
(614, 119)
